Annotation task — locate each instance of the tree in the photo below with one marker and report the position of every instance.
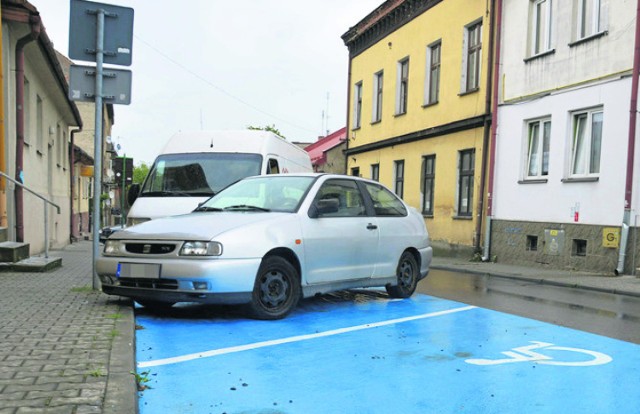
(140, 173)
(270, 128)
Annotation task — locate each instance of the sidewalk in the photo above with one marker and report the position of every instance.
(65, 348)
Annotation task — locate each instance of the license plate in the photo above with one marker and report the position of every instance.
(139, 270)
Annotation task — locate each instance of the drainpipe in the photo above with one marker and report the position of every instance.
(494, 127)
(34, 22)
(72, 161)
(633, 110)
(346, 148)
(485, 135)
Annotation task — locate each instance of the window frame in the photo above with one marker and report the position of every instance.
(594, 25)
(472, 53)
(541, 35)
(542, 151)
(398, 178)
(378, 84)
(583, 153)
(402, 86)
(432, 73)
(357, 105)
(375, 172)
(465, 183)
(428, 183)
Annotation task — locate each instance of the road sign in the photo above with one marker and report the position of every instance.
(118, 32)
(116, 85)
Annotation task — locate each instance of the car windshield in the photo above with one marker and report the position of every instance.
(199, 174)
(280, 193)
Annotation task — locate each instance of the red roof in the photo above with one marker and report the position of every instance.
(318, 149)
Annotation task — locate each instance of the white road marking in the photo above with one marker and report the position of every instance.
(298, 338)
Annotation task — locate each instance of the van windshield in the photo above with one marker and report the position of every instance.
(201, 174)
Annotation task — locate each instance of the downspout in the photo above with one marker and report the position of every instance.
(3, 167)
(34, 22)
(72, 169)
(494, 127)
(633, 110)
(346, 148)
(485, 136)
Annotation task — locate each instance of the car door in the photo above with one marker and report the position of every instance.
(340, 245)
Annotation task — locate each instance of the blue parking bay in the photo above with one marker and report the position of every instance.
(363, 353)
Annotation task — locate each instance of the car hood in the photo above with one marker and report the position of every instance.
(195, 226)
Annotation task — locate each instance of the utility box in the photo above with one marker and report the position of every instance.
(553, 242)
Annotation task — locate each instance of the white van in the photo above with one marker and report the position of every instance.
(195, 165)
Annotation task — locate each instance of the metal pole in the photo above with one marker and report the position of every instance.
(124, 183)
(97, 152)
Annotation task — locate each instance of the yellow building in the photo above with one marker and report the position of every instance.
(419, 110)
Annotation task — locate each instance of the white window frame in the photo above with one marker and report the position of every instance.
(378, 84)
(537, 142)
(357, 105)
(402, 86)
(431, 81)
(466, 84)
(39, 124)
(541, 26)
(588, 25)
(586, 142)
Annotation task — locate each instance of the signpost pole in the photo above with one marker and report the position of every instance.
(97, 153)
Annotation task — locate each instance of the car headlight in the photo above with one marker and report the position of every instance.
(198, 248)
(112, 247)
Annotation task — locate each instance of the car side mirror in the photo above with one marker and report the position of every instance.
(324, 206)
(134, 190)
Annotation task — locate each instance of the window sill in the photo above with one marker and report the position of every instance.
(540, 55)
(462, 217)
(400, 114)
(355, 128)
(469, 92)
(430, 104)
(580, 179)
(376, 122)
(534, 181)
(427, 215)
(589, 38)
(39, 153)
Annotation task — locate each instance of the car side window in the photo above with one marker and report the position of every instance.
(348, 197)
(385, 203)
(273, 167)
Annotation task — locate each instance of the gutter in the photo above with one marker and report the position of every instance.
(633, 111)
(35, 29)
(494, 127)
(72, 169)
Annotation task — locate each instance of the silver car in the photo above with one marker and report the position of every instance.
(268, 241)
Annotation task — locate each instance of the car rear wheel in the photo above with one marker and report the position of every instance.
(407, 273)
(276, 291)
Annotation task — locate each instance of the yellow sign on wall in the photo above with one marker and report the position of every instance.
(86, 171)
(611, 237)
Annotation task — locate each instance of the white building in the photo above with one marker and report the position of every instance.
(562, 135)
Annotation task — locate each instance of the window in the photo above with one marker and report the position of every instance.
(402, 89)
(398, 178)
(61, 146)
(539, 132)
(465, 182)
(39, 124)
(588, 18)
(540, 26)
(384, 202)
(273, 167)
(27, 112)
(587, 142)
(375, 172)
(432, 83)
(377, 97)
(355, 171)
(428, 180)
(471, 57)
(532, 243)
(579, 247)
(357, 105)
(346, 194)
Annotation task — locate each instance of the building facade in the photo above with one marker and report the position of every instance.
(38, 118)
(419, 110)
(563, 128)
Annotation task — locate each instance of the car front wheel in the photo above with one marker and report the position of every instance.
(407, 273)
(276, 291)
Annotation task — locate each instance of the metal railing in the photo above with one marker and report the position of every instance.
(46, 213)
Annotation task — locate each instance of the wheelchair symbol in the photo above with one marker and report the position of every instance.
(526, 354)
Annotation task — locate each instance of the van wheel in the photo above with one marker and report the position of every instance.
(276, 291)
(407, 273)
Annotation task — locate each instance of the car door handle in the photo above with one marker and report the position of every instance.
(371, 226)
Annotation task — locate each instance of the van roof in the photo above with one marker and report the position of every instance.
(238, 141)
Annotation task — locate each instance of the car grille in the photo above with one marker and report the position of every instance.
(170, 284)
(150, 248)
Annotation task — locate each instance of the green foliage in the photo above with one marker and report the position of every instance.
(140, 172)
(270, 128)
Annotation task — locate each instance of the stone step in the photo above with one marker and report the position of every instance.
(13, 252)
